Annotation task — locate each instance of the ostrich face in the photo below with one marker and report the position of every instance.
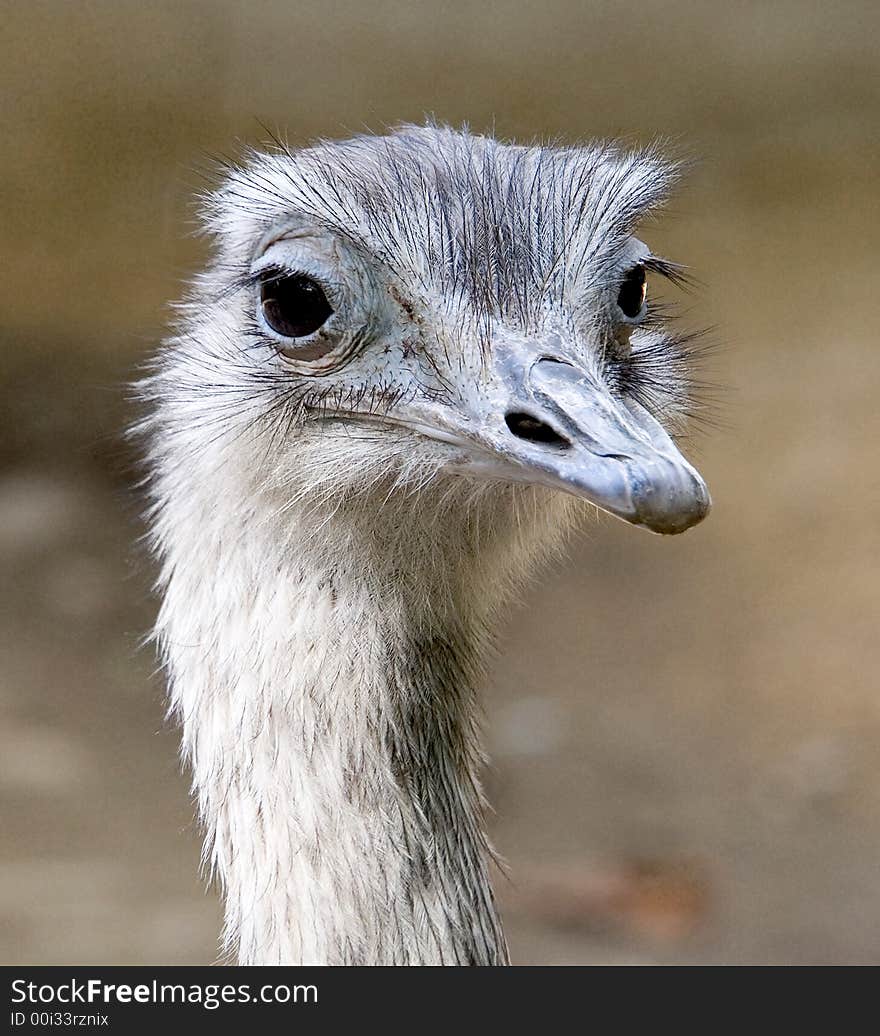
(436, 304)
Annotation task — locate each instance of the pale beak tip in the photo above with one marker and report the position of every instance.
(671, 518)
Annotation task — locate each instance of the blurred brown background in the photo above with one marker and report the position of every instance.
(685, 733)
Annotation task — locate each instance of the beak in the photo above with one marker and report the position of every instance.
(549, 422)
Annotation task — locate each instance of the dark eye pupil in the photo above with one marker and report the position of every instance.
(294, 306)
(632, 292)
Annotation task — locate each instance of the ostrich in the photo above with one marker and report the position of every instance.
(414, 362)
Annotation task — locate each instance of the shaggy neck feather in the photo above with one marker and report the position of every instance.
(329, 716)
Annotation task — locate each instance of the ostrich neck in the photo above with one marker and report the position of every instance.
(328, 713)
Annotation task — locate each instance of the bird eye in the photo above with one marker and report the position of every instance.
(631, 297)
(294, 305)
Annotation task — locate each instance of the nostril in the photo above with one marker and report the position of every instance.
(524, 426)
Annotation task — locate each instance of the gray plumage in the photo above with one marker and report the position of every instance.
(339, 513)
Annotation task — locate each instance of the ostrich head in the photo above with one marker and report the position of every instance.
(391, 311)
(410, 362)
